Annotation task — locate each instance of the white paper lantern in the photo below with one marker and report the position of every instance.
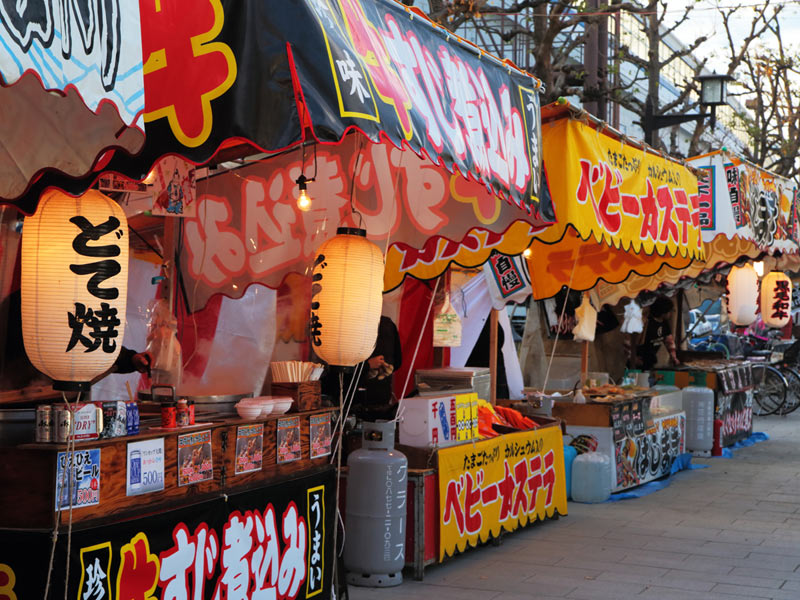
(742, 295)
(776, 299)
(346, 298)
(74, 286)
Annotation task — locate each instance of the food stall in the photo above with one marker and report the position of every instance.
(205, 508)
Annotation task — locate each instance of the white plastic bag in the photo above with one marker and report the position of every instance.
(587, 321)
(632, 322)
(163, 345)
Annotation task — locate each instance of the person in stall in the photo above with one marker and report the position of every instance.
(374, 398)
(657, 332)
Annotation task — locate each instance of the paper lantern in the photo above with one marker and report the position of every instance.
(346, 298)
(742, 295)
(776, 299)
(74, 285)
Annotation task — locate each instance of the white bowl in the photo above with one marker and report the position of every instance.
(281, 405)
(248, 410)
(263, 402)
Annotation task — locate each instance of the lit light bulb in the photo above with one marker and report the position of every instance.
(759, 267)
(304, 201)
(527, 253)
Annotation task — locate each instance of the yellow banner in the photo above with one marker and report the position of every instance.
(506, 482)
(618, 194)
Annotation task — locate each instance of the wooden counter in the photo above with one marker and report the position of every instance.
(28, 474)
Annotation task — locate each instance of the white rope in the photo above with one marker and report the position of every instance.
(400, 406)
(560, 320)
(65, 475)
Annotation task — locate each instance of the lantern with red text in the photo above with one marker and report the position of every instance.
(74, 282)
(346, 298)
(776, 299)
(742, 295)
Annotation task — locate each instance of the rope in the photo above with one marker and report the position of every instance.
(400, 406)
(560, 319)
(65, 474)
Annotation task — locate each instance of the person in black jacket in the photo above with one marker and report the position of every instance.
(373, 396)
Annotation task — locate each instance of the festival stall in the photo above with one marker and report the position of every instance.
(432, 142)
(623, 211)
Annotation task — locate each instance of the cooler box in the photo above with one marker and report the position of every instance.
(429, 421)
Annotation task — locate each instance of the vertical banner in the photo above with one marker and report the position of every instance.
(502, 483)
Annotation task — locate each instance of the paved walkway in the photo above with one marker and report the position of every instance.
(731, 531)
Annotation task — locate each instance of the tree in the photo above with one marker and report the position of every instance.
(769, 81)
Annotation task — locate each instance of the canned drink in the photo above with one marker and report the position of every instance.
(44, 423)
(131, 418)
(63, 422)
(100, 420)
(190, 405)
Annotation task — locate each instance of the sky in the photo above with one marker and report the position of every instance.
(706, 20)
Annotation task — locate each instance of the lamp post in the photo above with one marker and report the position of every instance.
(713, 93)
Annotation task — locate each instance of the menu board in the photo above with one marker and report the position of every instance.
(249, 448)
(289, 447)
(195, 463)
(320, 435)
(616, 423)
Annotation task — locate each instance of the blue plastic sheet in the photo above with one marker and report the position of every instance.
(757, 436)
(682, 463)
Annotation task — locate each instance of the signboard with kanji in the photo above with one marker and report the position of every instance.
(273, 542)
(499, 484)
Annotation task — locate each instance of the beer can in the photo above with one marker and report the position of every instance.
(131, 418)
(44, 423)
(100, 421)
(63, 422)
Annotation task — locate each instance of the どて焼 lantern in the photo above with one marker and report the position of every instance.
(776, 299)
(74, 281)
(346, 298)
(742, 295)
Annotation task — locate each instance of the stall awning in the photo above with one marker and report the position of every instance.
(266, 77)
(739, 199)
(720, 252)
(72, 88)
(248, 229)
(620, 209)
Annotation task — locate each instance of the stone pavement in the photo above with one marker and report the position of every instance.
(731, 531)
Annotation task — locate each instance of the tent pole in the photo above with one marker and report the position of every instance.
(584, 362)
(493, 355)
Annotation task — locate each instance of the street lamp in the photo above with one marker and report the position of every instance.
(713, 93)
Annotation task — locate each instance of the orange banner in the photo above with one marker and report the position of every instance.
(581, 265)
(618, 195)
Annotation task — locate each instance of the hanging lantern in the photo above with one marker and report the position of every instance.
(74, 282)
(346, 298)
(776, 299)
(742, 295)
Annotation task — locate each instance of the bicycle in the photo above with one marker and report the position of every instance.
(770, 389)
(772, 395)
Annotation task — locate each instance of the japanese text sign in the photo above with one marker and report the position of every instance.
(271, 542)
(501, 483)
(248, 227)
(747, 202)
(618, 194)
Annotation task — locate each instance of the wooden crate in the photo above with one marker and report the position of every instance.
(307, 394)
